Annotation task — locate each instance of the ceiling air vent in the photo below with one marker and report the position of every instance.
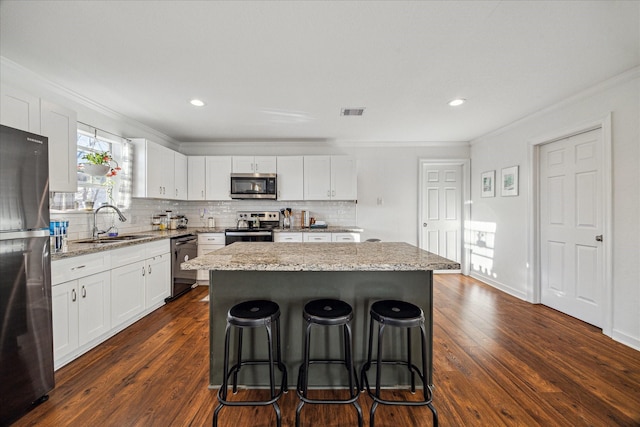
(351, 111)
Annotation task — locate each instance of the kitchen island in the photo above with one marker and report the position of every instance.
(293, 273)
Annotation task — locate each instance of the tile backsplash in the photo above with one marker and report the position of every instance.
(139, 215)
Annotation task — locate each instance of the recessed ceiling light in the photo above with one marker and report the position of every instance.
(457, 101)
(197, 102)
(352, 111)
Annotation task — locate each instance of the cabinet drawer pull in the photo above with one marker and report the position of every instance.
(78, 267)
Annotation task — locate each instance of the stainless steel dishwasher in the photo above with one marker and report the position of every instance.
(183, 249)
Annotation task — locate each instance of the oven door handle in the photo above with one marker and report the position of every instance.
(244, 233)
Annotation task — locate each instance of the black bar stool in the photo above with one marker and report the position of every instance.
(403, 315)
(252, 314)
(328, 312)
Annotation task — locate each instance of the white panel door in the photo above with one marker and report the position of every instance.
(571, 221)
(442, 210)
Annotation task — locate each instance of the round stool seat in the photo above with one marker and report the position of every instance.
(397, 313)
(253, 313)
(327, 312)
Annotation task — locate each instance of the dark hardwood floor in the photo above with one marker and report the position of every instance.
(498, 361)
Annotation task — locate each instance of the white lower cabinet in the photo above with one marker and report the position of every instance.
(345, 237)
(158, 280)
(208, 242)
(127, 292)
(316, 237)
(92, 302)
(141, 282)
(287, 237)
(81, 315)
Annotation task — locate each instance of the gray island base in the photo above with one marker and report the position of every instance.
(291, 274)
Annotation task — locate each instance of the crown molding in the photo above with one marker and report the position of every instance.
(619, 79)
(316, 143)
(78, 98)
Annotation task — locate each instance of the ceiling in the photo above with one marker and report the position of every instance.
(282, 70)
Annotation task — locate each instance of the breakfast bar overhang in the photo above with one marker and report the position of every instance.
(291, 274)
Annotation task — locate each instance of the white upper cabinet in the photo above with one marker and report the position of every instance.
(290, 177)
(317, 178)
(344, 178)
(196, 178)
(60, 125)
(158, 172)
(218, 176)
(330, 178)
(209, 177)
(181, 176)
(19, 109)
(254, 164)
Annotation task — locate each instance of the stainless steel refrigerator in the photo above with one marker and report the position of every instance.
(26, 336)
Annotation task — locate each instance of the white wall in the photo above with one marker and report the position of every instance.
(88, 111)
(508, 263)
(386, 171)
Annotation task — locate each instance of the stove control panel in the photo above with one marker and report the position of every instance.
(267, 216)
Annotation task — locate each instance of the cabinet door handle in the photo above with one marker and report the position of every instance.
(84, 292)
(143, 270)
(176, 192)
(202, 193)
(328, 193)
(256, 167)
(333, 193)
(149, 269)
(73, 295)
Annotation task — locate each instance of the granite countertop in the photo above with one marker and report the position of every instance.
(76, 249)
(367, 256)
(329, 229)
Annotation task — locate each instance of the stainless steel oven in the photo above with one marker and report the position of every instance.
(260, 235)
(182, 249)
(253, 227)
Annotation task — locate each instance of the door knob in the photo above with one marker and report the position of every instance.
(424, 224)
(599, 238)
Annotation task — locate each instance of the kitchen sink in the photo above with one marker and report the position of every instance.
(115, 239)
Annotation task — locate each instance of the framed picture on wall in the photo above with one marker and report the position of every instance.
(488, 184)
(510, 181)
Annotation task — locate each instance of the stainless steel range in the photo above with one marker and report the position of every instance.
(253, 227)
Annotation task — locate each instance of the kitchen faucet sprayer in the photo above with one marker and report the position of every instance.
(96, 233)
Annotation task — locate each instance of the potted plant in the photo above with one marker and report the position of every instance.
(99, 164)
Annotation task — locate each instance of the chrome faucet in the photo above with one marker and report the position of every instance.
(96, 232)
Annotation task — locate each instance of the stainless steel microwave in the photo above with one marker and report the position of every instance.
(253, 186)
